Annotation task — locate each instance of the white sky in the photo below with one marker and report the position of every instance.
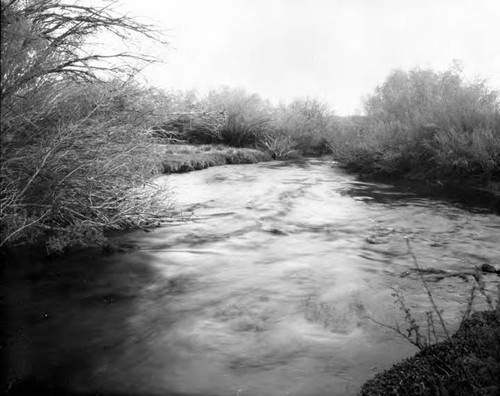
(335, 50)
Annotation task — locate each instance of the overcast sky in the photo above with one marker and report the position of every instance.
(335, 50)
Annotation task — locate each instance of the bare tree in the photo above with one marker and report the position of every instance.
(44, 40)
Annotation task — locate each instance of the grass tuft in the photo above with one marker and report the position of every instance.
(185, 158)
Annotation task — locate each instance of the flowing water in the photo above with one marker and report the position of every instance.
(270, 289)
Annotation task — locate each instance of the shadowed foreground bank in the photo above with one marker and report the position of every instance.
(469, 364)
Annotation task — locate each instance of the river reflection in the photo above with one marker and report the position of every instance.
(268, 291)
(414, 193)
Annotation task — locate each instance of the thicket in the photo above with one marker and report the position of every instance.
(305, 125)
(236, 118)
(76, 158)
(435, 125)
(422, 123)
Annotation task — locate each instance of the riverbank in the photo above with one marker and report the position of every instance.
(184, 158)
(383, 167)
(425, 176)
(461, 191)
(467, 364)
(435, 127)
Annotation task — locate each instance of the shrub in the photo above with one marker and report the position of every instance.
(248, 117)
(307, 123)
(188, 119)
(76, 159)
(432, 123)
(236, 118)
(76, 177)
(278, 144)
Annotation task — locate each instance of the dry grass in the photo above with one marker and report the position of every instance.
(185, 158)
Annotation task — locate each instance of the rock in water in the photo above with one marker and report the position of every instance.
(488, 268)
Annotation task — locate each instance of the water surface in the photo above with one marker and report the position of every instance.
(268, 290)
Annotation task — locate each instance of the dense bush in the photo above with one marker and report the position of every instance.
(434, 124)
(236, 118)
(248, 116)
(184, 118)
(78, 172)
(307, 124)
(75, 153)
(224, 116)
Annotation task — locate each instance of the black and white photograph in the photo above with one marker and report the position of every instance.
(250, 197)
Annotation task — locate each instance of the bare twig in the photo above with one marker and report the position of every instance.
(428, 290)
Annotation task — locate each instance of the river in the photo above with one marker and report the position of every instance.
(269, 289)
